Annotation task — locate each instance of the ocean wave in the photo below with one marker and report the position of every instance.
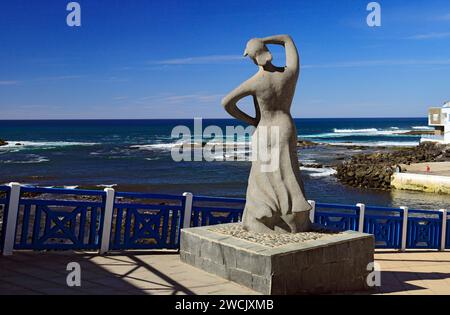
(157, 146)
(355, 130)
(422, 128)
(32, 160)
(19, 145)
(319, 172)
(341, 133)
(197, 145)
(376, 144)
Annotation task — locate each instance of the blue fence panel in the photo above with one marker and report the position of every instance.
(4, 198)
(447, 243)
(386, 225)
(424, 229)
(59, 224)
(152, 223)
(339, 217)
(216, 210)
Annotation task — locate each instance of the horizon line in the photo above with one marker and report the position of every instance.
(192, 118)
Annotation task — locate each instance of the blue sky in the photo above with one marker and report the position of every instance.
(177, 59)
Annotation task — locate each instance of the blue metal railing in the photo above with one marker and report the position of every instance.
(216, 210)
(62, 219)
(386, 226)
(4, 197)
(424, 229)
(344, 219)
(153, 221)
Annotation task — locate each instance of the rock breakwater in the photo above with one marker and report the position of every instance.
(375, 170)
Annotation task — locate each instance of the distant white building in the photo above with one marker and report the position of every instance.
(439, 118)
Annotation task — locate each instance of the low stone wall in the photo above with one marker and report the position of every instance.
(332, 264)
(421, 182)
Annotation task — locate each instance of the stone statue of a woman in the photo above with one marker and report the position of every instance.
(275, 199)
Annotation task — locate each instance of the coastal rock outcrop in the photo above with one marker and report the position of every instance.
(306, 144)
(375, 170)
(3, 142)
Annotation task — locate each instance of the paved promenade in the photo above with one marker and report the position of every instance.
(435, 168)
(163, 273)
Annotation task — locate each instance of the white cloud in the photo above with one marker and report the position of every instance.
(375, 63)
(430, 36)
(213, 59)
(173, 99)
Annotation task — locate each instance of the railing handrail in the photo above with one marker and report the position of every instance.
(336, 206)
(149, 196)
(63, 191)
(67, 191)
(218, 199)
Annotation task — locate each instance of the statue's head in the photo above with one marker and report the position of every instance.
(258, 51)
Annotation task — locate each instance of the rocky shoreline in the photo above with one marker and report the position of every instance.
(374, 170)
(3, 142)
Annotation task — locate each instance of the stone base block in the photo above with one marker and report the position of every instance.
(336, 263)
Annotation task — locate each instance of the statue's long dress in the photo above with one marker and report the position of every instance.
(276, 198)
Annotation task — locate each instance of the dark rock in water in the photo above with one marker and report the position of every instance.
(306, 144)
(312, 165)
(375, 170)
(417, 133)
(18, 144)
(3, 142)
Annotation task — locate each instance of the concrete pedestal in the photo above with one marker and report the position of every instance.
(335, 263)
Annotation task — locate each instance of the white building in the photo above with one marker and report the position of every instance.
(439, 118)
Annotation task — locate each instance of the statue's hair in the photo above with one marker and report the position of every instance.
(258, 51)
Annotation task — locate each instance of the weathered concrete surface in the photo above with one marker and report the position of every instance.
(275, 195)
(421, 182)
(333, 264)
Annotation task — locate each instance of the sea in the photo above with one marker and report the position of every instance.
(136, 156)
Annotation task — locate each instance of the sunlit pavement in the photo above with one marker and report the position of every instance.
(163, 273)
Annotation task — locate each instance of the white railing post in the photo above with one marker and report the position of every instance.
(312, 212)
(187, 209)
(107, 220)
(444, 229)
(11, 220)
(362, 211)
(404, 228)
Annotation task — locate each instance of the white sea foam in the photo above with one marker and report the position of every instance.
(319, 172)
(106, 185)
(19, 145)
(422, 128)
(32, 160)
(340, 133)
(377, 144)
(71, 187)
(355, 130)
(156, 146)
(152, 159)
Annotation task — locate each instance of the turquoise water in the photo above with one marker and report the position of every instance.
(135, 155)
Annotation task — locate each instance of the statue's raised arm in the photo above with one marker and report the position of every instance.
(292, 58)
